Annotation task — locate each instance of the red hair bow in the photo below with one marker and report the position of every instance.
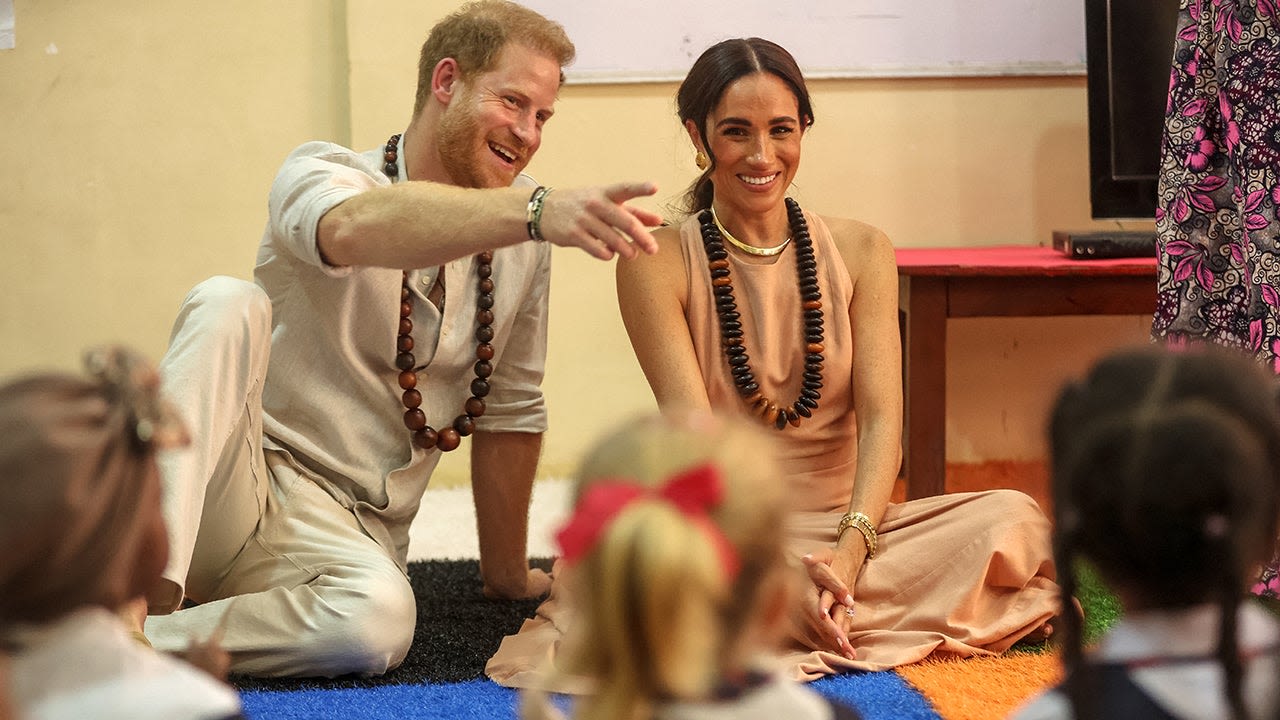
(694, 492)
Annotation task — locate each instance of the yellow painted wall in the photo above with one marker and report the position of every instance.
(140, 139)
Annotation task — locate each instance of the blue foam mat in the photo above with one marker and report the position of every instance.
(878, 696)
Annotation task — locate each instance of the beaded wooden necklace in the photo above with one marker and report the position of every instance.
(425, 436)
(731, 340)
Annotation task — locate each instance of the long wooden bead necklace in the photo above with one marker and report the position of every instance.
(425, 436)
(731, 339)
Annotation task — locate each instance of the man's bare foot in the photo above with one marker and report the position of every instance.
(209, 656)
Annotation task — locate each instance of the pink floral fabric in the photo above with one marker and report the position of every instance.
(1219, 236)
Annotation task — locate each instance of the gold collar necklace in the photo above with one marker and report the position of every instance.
(748, 249)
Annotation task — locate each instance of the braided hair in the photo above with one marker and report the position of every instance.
(1166, 478)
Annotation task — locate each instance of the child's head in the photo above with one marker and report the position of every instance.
(80, 521)
(1166, 477)
(1166, 471)
(671, 599)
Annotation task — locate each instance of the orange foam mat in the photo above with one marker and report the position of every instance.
(983, 688)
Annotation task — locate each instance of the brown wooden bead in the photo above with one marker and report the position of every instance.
(464, 424)
(448, 439)
(733, 343)
(424, 435)
(425, 438)
(770, 413)
(415, 419)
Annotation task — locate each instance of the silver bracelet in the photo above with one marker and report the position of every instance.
(533, 213)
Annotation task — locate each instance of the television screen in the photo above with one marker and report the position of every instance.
(1129, 49)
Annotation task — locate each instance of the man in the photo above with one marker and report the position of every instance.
(392, 331)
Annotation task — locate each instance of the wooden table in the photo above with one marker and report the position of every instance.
(935, 284)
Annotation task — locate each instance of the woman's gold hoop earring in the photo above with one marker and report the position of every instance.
(701, 160)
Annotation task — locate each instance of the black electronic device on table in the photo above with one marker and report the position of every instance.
(1101, 245)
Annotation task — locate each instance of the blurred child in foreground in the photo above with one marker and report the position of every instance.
(1166, 477)
(83, 537)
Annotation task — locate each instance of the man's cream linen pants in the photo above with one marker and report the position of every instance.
(271, 561)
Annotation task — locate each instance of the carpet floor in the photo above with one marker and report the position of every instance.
(443, 675)
(458, 629)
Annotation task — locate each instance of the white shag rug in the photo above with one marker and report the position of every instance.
(445, 527)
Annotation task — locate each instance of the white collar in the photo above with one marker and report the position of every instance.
(1184, 633)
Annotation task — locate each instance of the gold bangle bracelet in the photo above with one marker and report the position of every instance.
(862, 523)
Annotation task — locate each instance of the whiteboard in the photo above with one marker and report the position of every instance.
(658, 40)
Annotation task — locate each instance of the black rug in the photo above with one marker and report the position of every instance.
(458, 630)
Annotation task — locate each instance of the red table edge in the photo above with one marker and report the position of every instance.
(1012, 260)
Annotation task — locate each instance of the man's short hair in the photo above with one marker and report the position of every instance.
(476, 33)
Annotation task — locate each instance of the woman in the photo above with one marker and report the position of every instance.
(958, 574)
(1216, 222)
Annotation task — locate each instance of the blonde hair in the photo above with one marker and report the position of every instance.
(477, 33)
(657, 613)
